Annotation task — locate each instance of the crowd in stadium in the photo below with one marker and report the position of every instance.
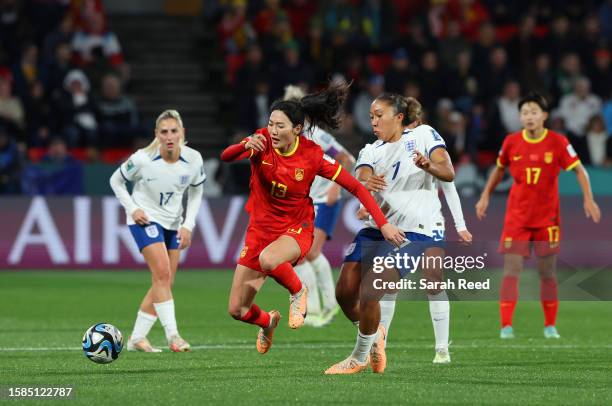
(62, 71)
(467, 61)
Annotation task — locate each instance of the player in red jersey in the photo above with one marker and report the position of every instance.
(280, 232)
(535, 157)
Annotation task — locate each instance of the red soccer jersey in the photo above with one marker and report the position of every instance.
(535, 164)
(280, 184)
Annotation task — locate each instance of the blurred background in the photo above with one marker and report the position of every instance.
(82, 81)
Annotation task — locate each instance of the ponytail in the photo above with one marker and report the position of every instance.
(408, 106)
(321, 109)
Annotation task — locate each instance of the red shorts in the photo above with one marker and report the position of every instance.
(518, 240)
(256, 240)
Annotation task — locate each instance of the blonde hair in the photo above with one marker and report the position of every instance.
(293, 93)
(165, 115)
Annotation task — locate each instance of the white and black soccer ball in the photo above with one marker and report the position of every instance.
(102, 343)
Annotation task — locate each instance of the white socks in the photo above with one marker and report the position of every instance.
(307, 276)
(165, 312)
(325, 281)
(439, 308)
(387, 310)
(363, 346)
(144, 322)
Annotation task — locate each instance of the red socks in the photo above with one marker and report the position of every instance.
(285, 275)
(257, 316)
(507, 300)
(509, 297)
(550, 302)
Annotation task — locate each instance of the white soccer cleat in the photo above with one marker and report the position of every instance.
(551, 332)
(178, 344)
(142, 345)
(442, 356)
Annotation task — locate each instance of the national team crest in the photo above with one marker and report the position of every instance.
(152, 231)
(184, 179)
(410, 145)
(299, 174)
(548, 157)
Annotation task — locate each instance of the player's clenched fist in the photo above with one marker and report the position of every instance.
(421, 160)
(256, 142)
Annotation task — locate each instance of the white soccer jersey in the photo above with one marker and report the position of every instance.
(410, 200)
(331, 147)
(159, 185)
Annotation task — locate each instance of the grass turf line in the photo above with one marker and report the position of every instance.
(53, 309)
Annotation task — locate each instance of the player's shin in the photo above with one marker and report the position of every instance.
(508, 299)
(165, 312)
(387, 310)
(549, 298)
(285, 275)
(325, 281)
(307, 276)
(439, 309)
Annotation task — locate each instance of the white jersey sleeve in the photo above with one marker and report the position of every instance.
(454, 204)
(331, 147)
(131, 169)
(366, 155)
(433, 140)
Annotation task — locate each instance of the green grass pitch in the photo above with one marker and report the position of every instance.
(43, 316)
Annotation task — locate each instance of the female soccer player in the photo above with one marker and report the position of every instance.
(405, 185)
(283, 166)
(315, 272)
(160, 174)
(534, 156)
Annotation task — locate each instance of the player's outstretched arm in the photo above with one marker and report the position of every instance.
(438, 164)
(245, 149)
(591, 209)
(454, 204)
(483, 203)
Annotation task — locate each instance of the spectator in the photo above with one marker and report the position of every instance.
(95, 40)
(117, 115)
(10, 163)
(399, 72)
(601, 74)
(578, 107)
(361, 107)
(76, 115)
(599, 143)
(58, 68)
(560, 39)
(377, 23)
(452, 44)
(65, 176)
(461, 84)
(11, 109)
(292, 71)
(541, 79)
(430, 78)
(525, 45)
(495, 75)
(569, 71)
(506, 118)
(481, 50)
(27, 71)
(38, 117)
(61, 35)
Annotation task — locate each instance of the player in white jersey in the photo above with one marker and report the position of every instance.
(315, 272)
(402, 168)
(160, 174)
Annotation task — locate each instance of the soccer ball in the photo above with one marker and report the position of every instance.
(102, 343)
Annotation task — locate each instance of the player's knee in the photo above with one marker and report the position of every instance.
(161, 276)
(313, 254)
(267, 262)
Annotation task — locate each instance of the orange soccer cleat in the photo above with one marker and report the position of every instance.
(378, 356)
(264, 337)
(347, 367)
(297, 308)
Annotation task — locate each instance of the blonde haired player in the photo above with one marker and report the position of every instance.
(160, 174)
(315, 272)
